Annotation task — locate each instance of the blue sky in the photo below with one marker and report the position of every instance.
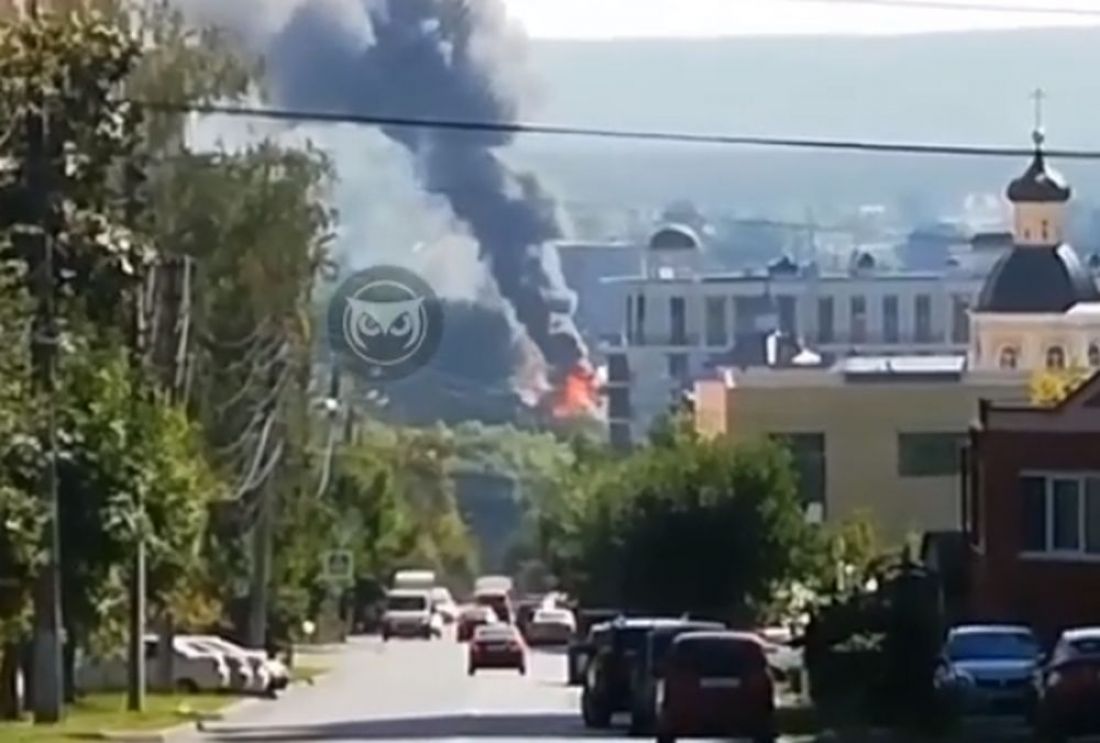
(702, 18)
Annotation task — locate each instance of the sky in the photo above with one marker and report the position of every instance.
(602, 19)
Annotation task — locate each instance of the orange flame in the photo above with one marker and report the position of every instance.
(578, 394)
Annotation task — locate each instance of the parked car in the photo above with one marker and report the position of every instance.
(716, 684)
(470, 618)
(409, 614)
(1069, 687)
(271, 674)
(650, 669)
(444, 605)
(551, 627)
(243, 677)
(990, 668)
(497, 645)
(609, 671)
(193, 670)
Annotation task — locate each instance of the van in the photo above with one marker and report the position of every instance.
(409, 614)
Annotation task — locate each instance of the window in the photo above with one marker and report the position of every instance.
(890, 330)
(717, 327)
(923, 327)
(618, 403)
(1045, 229)
(971, 490)
(639, 323)
(1094, 355)
(808, 452)
(960, 320)
(929, 454)
(677, 321)
(618, 369)
(788, 315)
(1009, 358)
(1060, 514)
(1056, 357)
(858, 307)
(629, 318)
(678, 366)
(826, 331)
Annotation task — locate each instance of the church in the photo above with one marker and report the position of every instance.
(1040, 307)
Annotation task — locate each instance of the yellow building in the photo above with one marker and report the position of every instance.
(871, 435)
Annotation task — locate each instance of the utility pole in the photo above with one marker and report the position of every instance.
(48, 673)
(135, 687)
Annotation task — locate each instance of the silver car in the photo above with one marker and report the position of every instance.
(990, 668)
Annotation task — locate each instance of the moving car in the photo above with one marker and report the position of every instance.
(271, 674)
(470, 618)
(409, 614)
(444, 604)
(609, 671)
(243, 676)
(193, 670)
(499, 601)
(1069, 687)
(990, 668)
(591, 625)
(650, 669)
(716, 684)
(551, 627)
(414, 580)
(525, 612)
(496, 645)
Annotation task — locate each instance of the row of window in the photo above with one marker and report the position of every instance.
(1056, 357)
(1060, 514)
(749, 310)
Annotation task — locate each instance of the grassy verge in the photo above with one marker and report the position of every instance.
(98, 712)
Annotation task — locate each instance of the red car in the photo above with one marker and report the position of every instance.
(470, 619)
(497, 646)
(716, 684)
(1069, 687)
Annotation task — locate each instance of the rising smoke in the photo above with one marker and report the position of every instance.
(444, 59)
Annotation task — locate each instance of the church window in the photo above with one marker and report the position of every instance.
(1056, 357)
(1094, 355)
(1009, 357)
(1046, 230)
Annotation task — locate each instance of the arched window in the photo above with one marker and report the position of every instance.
(1046, 229)
(1094, 355)
(1009, 357)
(1056, 357)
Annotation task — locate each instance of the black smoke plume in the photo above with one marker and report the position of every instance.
(442, 59)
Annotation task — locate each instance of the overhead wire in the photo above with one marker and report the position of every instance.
(969, 6)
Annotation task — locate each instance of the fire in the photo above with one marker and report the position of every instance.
(578, 394)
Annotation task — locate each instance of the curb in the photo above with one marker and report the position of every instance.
(194, 722)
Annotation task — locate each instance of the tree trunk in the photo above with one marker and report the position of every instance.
(26, 660)
(11, 707)
(165, 657)
(68, 661)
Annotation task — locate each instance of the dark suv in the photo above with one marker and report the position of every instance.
(618, 646)
(591, 626)
(650, 669)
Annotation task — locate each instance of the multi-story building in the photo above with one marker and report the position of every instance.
(679, 322)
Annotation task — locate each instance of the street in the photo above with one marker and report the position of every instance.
(416, 690)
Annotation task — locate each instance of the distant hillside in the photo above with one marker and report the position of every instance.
(957, 88)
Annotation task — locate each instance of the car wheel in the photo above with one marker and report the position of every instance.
(523, 670)
(594, 715)
(666, 738)
(471, 670)
(187, 686)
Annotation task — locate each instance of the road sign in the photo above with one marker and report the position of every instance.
(338, 566)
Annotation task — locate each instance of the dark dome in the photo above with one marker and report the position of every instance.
(783, 265)
(1039, 183)
(1037, 280)
(674, 237)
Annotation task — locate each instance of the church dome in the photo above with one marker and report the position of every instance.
(674, 237)
(1049, 281)
(1040, 183)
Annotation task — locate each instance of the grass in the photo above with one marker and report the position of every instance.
(98, 712)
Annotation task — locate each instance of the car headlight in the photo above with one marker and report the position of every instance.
(660, 696)
(962, 677)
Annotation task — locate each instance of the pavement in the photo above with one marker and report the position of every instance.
(418, 690)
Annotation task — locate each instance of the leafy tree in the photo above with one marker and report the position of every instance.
(701, 526)
(1049, 387)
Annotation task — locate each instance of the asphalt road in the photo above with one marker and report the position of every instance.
(415, 690)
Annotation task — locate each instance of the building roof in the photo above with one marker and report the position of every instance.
(674, 237)
(894, 367)
(1035, 280)
(1039, 184)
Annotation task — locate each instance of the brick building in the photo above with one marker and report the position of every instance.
(1031, 510)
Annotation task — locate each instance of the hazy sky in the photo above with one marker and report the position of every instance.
(649, 18)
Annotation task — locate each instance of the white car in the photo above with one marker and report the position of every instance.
(551, 627)
(193, 669)
(269, 674)
(781, 656)
(409, 614)
(444, 605)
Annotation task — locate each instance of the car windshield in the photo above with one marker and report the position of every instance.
(717, 657)
(407, 603)
(992, 645)
(1086, 645)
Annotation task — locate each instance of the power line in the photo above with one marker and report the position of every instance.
(1060, 10)
(502, 127)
